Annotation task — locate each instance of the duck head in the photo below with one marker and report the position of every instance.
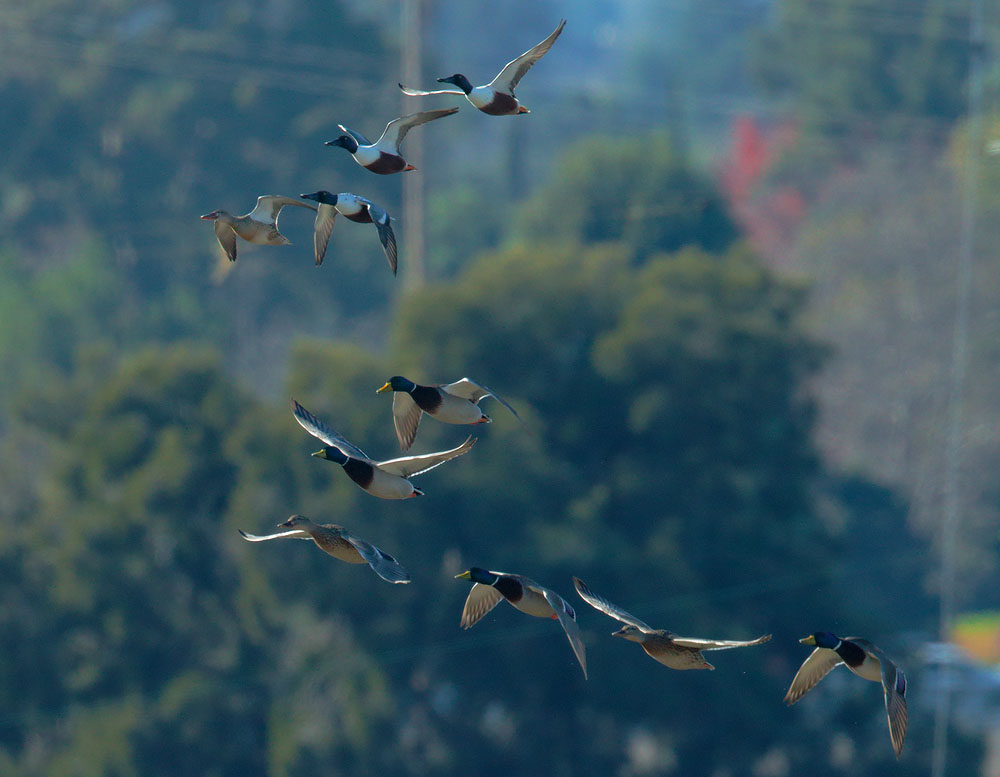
(344, 141)
(293, 521)
(823, 639)
(332, 454)
(322, 196)
(398, 383)
(629, 632)
(457, 80)
(478, 575)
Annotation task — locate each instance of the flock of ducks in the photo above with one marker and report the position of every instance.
(458, 403)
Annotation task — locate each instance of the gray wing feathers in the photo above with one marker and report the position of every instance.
(421, 93)
(321, 431)
(385, 566)
(894, 689)
(481, 599)
(326, 218)
(567, 619)
(813, 669)
(718, 644)
(410, 466)
(514, 70)
(406, 416)
(383, 225)
(227, 239)
(605, 606)
(269, 206)
(396, 129)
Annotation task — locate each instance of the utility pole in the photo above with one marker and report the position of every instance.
(415, 272)
(952, 503)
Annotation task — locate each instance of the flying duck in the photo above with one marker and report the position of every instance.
(454, 403)
(355, 208)
(663, 646)
(490, 588)
(384, 479)
(383, 156)
(497, 97)
(865, 660)
(258, 226)
(340, 544)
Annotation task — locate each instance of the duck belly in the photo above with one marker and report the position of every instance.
(386, 486)
(500, 104)
(340, 549)
(870, 669)
(675, 657)
(456, 410)
(533, 603)
(385, 164)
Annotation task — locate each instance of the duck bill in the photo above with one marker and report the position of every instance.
(619, 633)
(416, 492)
(386, 387)
(211, 216)
(466, 575)
(321, 453)
(810, 640)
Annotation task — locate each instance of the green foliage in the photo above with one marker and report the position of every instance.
(638, 191)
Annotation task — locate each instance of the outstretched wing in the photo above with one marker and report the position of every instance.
(514, 70)
(362, 140)
(297, 534)
(481, 599)
(813, 669)
(420, 93)
(326, 217)
(382, 220)
(406, 416)
(269, 206)
(608, 608)
(410, 466)
(718, 644)
(385, 566)
(469, 389)
(567, 619)
(321, 431)
(894, 688)
(227, 239)
(396, 129)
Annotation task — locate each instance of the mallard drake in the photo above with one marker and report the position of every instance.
(340, 544)
(383, 156)
(664, 646)
(497, 97)
(384, 479)
(258, 226)
(355, 208)
(490, 588)
(452, 403)
(865, 660)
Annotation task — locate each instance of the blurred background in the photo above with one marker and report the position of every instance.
(737, 270)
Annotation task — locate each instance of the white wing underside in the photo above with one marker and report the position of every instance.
(410, 466)
(396, 129)
(322, 431)
(481, 599)
(269, 206)
(406, 415)
(326, 218)
(718, 644)
(607, 607)
(568, 621)
(297, 534)
(817, 666)
(469, 389)
(514, 70)
(421, 93)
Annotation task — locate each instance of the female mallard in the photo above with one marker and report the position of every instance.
(664, 646)
(355, 208)
(454, 403)
(526, 595)
(497, 97)
(865, 660)
(383, 156)
(340, 544)
(384, 479)
(258, 226)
